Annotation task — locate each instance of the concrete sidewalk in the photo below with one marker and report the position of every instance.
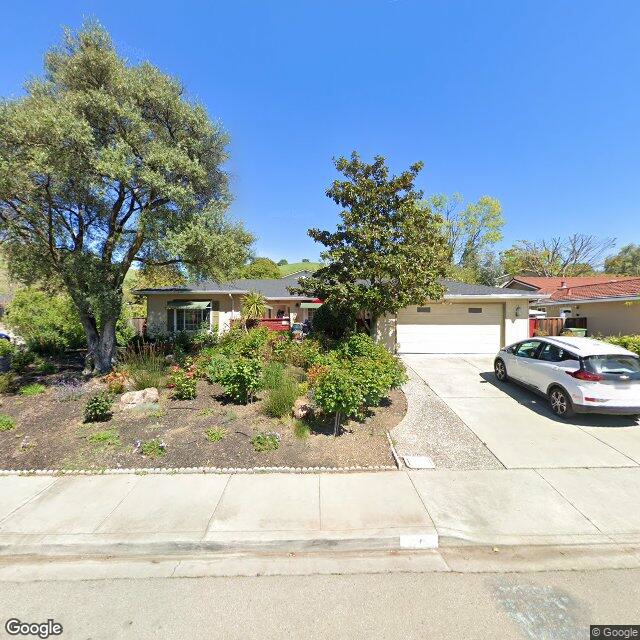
(126, 514)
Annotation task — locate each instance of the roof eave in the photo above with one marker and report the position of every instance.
(565, 301)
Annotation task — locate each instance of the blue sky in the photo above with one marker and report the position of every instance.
(533, 102)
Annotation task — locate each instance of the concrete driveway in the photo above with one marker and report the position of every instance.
(517, 426)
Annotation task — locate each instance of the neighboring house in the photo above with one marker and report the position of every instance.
(470, 318)
(548, 285)
(610, 304)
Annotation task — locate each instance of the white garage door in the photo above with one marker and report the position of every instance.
(450, 328)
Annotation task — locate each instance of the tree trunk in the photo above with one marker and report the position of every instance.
(101, 345)
(336, 424)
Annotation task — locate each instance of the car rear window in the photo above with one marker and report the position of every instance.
(621, 365)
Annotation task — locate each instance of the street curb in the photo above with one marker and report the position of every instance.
(395, 542)
(191, 470)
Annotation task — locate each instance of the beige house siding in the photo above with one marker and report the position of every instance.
(516, 321)
(605, 318)
(230, 306)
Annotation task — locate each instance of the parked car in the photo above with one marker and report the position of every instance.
(577, 375)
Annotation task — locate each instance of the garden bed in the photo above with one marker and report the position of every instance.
(49, 431)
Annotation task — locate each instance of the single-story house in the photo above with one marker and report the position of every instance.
(469, 319)
(189, 307)
(610, 304)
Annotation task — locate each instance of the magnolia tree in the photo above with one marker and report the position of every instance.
(389, 249)
(105, 165)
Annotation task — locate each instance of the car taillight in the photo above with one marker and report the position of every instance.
(581, 374)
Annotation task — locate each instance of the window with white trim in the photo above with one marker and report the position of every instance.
(189, 315)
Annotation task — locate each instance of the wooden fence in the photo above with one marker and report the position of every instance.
(554, 326)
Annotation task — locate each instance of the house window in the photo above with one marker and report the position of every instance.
(475, 309)
(189, 315)
(423, 309)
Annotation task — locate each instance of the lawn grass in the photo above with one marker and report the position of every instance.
(288, 269)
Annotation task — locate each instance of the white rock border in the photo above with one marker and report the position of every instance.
(182, 470)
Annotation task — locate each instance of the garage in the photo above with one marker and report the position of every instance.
(473, 327)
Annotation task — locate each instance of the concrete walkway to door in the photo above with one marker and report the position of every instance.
(517, 426)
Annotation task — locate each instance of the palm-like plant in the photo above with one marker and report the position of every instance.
(254, 306)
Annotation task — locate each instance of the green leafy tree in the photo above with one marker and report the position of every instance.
(262, 268)
(48, 323)
(282, 262)
(625, 262)
(388, 251)
(471, 230)
(104, 165)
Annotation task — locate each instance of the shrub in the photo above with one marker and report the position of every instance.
(154, 448)
(632, 343)
(32, 389)
(272, 376)
(116, 382)
(265, 441)
(338, 392)
(183, 382)
(109, 438)
(280, 399)
(215, 434)
(216, 368)
(359, 345)
(48, 323)
(241, 378)
(45, 367)
(304, 354)
(21, 359)
(373, 379)
(316, 372)
(6, 382)
(248, 344)
(98, 408)
(205, 338)
(333, 322)
(6, 423)
(145, 365)
(6, 349)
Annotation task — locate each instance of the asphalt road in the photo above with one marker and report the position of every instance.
(535, 606)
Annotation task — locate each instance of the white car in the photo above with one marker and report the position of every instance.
(577, 375)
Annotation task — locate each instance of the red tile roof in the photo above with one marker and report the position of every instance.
(550, 285)
(612, 289)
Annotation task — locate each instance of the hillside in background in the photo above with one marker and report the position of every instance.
(286, 269)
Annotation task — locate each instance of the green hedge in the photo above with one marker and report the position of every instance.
(626, 342)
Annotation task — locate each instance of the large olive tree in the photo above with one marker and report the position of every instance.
(105, 164)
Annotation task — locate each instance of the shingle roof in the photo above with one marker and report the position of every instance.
(278, 288)
(550, 284)
(612, 289)
(455, 288)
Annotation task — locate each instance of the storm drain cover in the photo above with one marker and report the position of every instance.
(419, 462)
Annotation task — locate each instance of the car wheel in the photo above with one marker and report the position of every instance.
(560, 403)
(500, 370)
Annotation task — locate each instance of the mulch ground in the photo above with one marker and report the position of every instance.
(50, 432)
